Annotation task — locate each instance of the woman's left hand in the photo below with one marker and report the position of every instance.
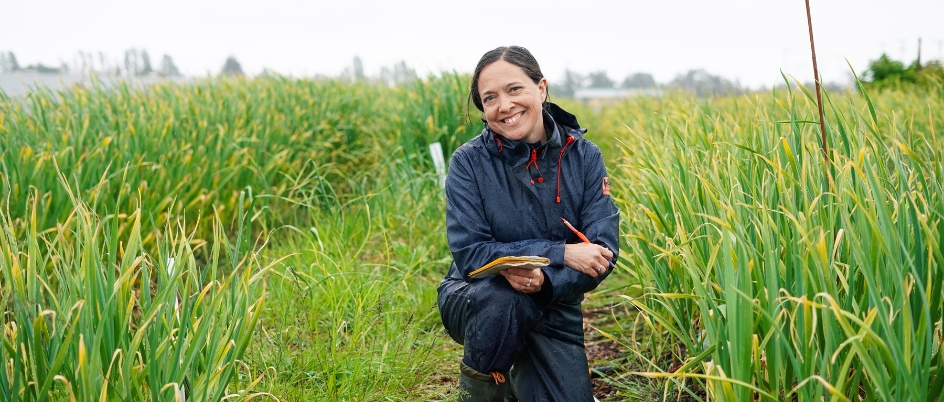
(524, 280)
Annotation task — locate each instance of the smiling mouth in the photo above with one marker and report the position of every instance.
(513, 119)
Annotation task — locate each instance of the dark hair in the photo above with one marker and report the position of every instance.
(516, 55)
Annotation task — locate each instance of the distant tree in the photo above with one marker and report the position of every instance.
(354, 72)
(8, 62)
(639, 81)
(358, 69)
(131, 62)
(42, 68)
(145, 64)
(232, 67)
(599, 79)
(887, 69)
(168, 69)
(400, 74)
(702, 83)
(269, 73)
(570, 84)
(404, 74)
(888, 73)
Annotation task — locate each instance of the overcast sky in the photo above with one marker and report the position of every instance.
(749, 41)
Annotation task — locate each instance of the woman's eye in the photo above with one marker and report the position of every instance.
(515, 89)
(488, 99)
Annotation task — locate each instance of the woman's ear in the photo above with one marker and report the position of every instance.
(542, 87)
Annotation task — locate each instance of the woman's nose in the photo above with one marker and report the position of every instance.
(507, 105)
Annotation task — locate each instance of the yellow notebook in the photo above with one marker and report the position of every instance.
(498, 264)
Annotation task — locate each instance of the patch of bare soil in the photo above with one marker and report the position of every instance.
(601, 354)
(610, 363)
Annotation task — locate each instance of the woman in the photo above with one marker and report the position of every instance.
(507, 191)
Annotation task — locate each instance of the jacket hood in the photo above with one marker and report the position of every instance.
(562, 116)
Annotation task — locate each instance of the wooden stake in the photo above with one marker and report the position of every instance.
(819, 96)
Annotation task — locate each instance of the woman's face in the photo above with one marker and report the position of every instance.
(512, 102)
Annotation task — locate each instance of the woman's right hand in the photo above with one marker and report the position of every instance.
(588, 258)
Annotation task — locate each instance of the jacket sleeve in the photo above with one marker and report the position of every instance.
(470, 237)
(598, 220)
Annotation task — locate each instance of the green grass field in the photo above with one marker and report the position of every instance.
(282, 239)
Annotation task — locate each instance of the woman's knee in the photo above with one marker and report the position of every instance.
(488, 300)
(496, 290)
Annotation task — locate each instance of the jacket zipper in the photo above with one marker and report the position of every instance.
(536, 173)
(559, 157)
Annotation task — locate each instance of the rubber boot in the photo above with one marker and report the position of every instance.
(480, 387)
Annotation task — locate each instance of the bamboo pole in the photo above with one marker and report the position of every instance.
(819, 96)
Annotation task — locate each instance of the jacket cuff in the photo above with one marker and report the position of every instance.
(556, 254)
(544, 297)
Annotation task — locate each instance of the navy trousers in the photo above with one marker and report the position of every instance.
(541, 349)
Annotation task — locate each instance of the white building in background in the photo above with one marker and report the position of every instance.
(19, 83)
(600, 96)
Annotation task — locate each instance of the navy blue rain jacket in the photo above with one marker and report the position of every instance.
(507, 198)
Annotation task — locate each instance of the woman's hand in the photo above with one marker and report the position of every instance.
(524, 280)
(588, 258)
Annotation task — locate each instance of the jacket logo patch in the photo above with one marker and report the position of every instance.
(606, 185)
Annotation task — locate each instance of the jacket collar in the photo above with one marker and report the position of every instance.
(557, 122)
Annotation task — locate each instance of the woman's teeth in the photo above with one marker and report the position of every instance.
(513, 119)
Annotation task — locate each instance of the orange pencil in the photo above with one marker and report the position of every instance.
(572, 228)
(580, 235)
